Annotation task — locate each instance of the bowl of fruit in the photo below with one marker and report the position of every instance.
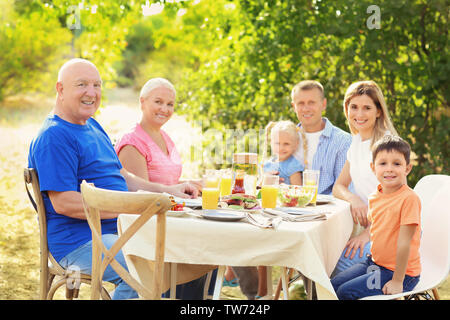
(294, 196)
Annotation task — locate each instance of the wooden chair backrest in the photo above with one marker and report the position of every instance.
(31, 178)
(146, 204)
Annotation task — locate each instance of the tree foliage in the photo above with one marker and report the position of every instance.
(266, 47)
(30, 43)
(37, 36)
(234, 62)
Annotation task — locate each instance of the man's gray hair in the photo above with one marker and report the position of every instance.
(156, 83)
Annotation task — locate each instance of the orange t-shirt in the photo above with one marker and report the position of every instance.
(387, 212)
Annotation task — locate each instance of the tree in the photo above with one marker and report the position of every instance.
(264, 47)
(30, 44)
(37, 36)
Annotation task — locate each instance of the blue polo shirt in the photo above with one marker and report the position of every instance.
(64, 154)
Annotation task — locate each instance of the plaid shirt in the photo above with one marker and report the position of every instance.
(330, 155)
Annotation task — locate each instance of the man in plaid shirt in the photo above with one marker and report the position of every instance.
(326, 145)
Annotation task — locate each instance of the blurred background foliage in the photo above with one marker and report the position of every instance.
(235, 62)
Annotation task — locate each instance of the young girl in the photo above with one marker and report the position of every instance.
(284, 140)
(368, 118)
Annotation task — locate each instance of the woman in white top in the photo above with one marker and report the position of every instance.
(368, 118)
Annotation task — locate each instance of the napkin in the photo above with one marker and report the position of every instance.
(313, 216)
(263, 222)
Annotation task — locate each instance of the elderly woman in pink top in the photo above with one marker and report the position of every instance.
(148, 152)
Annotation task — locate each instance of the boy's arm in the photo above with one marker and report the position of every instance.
(403, 245)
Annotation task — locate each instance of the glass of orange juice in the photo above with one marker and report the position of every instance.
(269, 191)
(211, 179)
(311, 180)
(211, 191)
(225, 182)
(210, 198)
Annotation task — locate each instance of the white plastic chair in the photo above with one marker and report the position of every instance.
(426, 189)
(434, 247)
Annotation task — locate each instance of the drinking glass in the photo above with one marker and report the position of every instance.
(250, 184)
(225, 182)
(211, 178)
(269, 190)
(211, 191)
(311, 181)
(210, 198)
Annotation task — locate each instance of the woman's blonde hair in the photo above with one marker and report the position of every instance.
(383, 123)
(280, 126)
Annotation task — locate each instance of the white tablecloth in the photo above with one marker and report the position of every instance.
(313, 248)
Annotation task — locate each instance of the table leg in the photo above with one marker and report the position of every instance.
(285, 275)
(206, 287)
(269, 281)
(310, 288)
(219, 281)
(307, 285)
(173, 280)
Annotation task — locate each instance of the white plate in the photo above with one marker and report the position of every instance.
(223, 215)
(258, 209)
(172, 213)
(324, 199)
(188, 202)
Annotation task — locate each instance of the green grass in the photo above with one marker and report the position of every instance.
(20, 119)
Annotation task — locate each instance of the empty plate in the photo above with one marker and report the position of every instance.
(324, 199)
(223, 215)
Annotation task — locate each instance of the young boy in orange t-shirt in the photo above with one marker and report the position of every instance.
(394, 213)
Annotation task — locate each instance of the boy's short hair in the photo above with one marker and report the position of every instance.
(389, 143)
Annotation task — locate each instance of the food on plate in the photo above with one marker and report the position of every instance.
(238, 201)
(294, 196)
(176, 206)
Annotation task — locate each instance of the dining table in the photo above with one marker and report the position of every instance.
(195, 245)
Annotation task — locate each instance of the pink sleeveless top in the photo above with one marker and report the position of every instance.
(161, 168)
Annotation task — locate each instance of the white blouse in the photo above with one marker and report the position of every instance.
(359, 156)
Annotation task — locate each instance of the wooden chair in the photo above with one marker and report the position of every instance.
(147, 204)
(49, 267)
